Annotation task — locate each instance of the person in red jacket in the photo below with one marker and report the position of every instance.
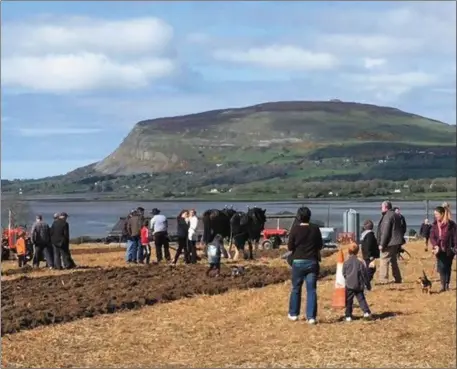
(443, 237)
(145, 242)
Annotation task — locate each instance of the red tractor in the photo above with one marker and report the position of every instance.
(273, 238)
(9, 237)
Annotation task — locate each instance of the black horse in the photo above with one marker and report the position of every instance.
(215, 222)
(247, 227)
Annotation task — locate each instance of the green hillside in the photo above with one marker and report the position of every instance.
(278, 143)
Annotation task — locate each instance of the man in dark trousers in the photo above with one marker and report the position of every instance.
(60, 239)
(41, 239)
(425, 232)
(390, 239)
(159, 227)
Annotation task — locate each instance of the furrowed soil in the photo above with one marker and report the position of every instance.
(31, 302)
(97, 256)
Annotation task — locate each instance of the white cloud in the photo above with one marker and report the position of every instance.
(393, 84)
(374, 44)
(80, 54)
(65, 35)
(371, 63)
(79, 72)
(45, 132)
(279, 57)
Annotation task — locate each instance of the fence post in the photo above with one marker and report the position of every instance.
(277, 223)
(427, 208)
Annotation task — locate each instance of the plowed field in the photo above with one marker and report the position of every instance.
(31, 302)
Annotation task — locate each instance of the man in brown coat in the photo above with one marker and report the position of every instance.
(390, 236)
(134, 250)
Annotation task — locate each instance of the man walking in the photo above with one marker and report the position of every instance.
(159, 228)
(134, 251)
(60, 239)
(425, 232)
(390, 238)
(41, 239)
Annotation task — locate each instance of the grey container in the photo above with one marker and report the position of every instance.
(351, 223)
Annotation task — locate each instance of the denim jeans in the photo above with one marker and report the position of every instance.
(304, 271)
(133, 244)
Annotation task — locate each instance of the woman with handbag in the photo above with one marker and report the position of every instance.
(305, 244)
(443, 237)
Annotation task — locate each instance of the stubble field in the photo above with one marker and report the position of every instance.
(111, 315)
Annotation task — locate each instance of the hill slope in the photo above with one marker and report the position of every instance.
(286, 148)
(258, 134)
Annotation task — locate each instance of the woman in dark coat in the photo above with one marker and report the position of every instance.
(443, 237)
(370, 249)
(182, 231)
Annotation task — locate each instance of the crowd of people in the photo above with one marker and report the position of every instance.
(305, 244)
(51, 243)
(140, 233)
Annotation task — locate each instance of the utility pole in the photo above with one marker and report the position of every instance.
(328, 216)
(427, 208)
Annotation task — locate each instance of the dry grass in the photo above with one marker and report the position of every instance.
(250, 329)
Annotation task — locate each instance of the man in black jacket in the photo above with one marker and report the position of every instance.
(41, 239)
(60, 239)
(404, 226)
(390, 239)
(425, 232)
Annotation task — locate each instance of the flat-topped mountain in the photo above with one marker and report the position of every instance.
(259, 133)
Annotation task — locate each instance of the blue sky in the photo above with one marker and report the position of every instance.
(76, 76)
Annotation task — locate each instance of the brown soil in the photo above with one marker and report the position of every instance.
(31, 302)
(97, 250)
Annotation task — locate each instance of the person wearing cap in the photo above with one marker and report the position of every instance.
(41, 239)
(60, 239)
(134, 249)
(159, 228)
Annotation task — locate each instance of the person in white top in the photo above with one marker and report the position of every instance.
(193, 236)
(159, 228)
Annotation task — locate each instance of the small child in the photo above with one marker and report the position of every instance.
(145, 242)
(21, 249)
(215, 251)
(356, 276)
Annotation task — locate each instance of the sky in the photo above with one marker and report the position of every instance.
(77, 76)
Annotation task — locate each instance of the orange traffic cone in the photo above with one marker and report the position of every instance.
(339, 294)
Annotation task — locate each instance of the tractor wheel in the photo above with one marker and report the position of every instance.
(267, 245)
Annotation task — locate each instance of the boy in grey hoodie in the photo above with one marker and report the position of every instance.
(356, 276)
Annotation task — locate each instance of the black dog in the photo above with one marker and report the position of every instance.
(425, 283)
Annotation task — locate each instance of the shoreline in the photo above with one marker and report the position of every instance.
(69, 198)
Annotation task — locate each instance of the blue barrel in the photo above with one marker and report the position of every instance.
(351, 223)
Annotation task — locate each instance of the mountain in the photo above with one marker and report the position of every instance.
(259, 134)
(277, 147)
